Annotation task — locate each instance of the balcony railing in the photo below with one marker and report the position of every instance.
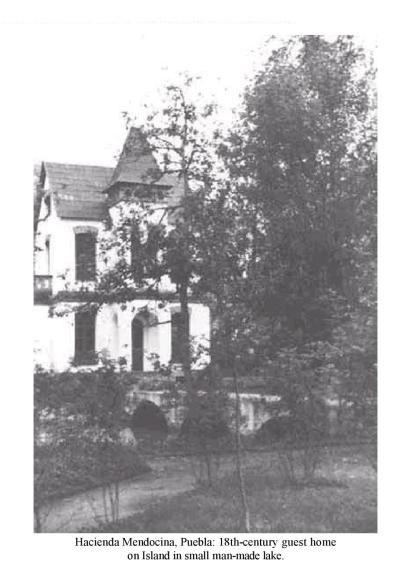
(42, 287)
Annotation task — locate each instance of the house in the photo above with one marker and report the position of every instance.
(72, 206)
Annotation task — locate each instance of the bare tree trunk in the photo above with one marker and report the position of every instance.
(186, 349)
(208, 463)
(105, 505)
(238, 452)
(216, 316)
(114, 496)
(37, 520)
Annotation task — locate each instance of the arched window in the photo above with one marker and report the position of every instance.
(136, 255)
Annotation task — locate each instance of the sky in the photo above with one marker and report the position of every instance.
(84, 75)
(90, 73)
(72, 78)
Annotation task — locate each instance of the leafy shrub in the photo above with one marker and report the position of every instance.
(297, 431)
(78, 465)
(205, 434)
(78, 419)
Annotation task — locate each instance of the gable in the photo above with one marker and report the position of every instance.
(78, 190)
(82, 192)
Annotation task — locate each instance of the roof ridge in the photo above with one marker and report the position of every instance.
(79, 165)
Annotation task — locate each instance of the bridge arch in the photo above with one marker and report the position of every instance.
(149, 418)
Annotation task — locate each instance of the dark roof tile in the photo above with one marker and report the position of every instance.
(136, 164)
(78, 190)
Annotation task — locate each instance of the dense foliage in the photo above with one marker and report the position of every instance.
(276, 230)
(302, 166)
(78, 419)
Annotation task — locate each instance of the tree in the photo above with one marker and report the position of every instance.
(303, 157)
(203, 253)
(176, 134)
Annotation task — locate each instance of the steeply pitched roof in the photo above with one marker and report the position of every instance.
(78, 190)
(81, 191)
(136, 164)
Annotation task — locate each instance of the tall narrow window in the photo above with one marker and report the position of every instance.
(48, 255)
(85, 338)
(85, 250)
(136, 256)
(176, 337)
(137, 339)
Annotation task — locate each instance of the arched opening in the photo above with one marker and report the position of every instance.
(137, 340)
(148, 418)
(275, 428)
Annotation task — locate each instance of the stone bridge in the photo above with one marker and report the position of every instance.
(255, 408)
(257, 402)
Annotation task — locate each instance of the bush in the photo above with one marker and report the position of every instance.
(297, 431)
(64, 469)
(205, 434)
(78, 419)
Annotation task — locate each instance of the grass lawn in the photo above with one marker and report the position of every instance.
(342, 499)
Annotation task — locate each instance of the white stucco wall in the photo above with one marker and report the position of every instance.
(54, 340)
(43, 332)
(55, 336)
(61, 234)
(62, 251)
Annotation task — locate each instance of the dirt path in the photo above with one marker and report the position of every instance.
(86, 511)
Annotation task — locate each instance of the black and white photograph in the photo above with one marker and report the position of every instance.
(204, 290)
(205, 319)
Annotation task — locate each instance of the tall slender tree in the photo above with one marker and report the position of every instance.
(176, 133)
(303, 157)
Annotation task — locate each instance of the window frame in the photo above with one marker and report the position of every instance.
(85, 263)
(84, 343)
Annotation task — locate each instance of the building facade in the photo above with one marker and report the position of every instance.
(75, 208)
